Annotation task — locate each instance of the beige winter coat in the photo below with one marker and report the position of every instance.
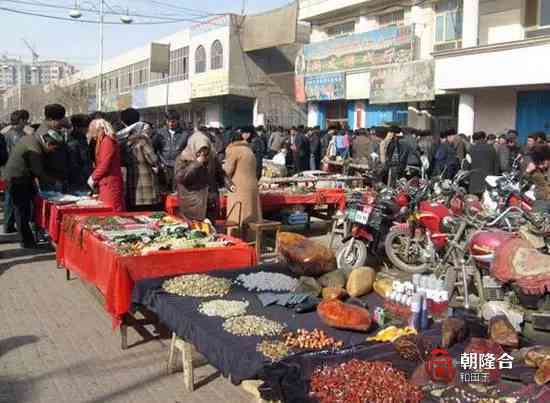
(243, 205)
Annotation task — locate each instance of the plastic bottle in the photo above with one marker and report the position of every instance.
(416, 307)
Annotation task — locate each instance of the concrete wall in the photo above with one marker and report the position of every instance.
(495, 109)
(500, 21)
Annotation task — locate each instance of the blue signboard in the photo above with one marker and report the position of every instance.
(325, 87)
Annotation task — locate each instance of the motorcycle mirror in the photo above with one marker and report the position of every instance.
(491, 180)
(374, 156)
(468, 158)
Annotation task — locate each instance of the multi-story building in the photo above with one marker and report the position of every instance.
(15, 72)
(213, 79)
(488, 58)
(370, 62)
(499, 65)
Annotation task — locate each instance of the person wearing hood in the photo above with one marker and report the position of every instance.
(168, 143)
(195, 167)
(24, 167)
(56, 163)
(243, 203)
(107, 175)
(257, 146)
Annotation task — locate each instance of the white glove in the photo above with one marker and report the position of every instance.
(91, 183)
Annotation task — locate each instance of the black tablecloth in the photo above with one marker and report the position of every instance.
(234, 356)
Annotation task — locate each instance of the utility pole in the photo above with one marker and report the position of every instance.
(100, 68)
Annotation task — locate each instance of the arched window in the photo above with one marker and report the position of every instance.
(200, 60)
(216, 56)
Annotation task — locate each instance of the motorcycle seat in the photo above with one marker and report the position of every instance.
(516, 261)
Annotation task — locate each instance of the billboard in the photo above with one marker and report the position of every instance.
(159, 60)
(210, 84)
(325, 87)
(271, 29)
(386, 45)
(409, 82)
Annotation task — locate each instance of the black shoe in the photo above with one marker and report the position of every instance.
(9, 231)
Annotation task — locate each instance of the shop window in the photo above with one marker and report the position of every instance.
(345, 28)
(448, 21)
(216, 56)
(200, 60)
(393, 18)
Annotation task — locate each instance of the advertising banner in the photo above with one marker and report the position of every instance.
(325, 87)
(382, 46)
(210, 84)
(409, 82)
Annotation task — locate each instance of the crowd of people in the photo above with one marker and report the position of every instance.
(131, 165)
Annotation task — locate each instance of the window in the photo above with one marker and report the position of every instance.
(200, 60)
(130, 79)
(179, 64)
(544, 13)
(393, 18)
(345, 28)
(448, 20)
(216, 56)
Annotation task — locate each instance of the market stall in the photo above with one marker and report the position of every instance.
(276, 199)
(301, 358)
(50, 208)
(113, 251)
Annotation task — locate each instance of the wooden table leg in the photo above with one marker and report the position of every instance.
(67, 275)
(124, 333)
(259, 244)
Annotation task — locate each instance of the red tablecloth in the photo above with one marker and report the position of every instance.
(114, 275)
(57, 212)
(48, 215)
(273, 201)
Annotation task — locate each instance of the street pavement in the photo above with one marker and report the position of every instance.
(57, 345)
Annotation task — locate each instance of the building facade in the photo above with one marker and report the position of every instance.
(370, 62)
(488, 58)
(212, 80)
(500, 68)
(14, 72)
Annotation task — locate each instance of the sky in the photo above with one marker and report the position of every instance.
(77, 42)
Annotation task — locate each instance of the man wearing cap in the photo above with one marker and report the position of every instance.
(508, 153)
(25, 164)
(56, 163)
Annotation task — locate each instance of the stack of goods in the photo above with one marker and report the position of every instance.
(78, 198)
(144, 234)
(264, 281)
(252, 325)
(314, 340)
(362, 381)
(223, 308)
(275, 350)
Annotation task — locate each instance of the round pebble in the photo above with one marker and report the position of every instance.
(197, 285)
(223, 308)
(252, 325)
(264, 281)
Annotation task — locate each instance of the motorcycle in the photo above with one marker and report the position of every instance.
(371, 222)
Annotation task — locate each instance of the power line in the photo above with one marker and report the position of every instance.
(112, 12)
(36, 14)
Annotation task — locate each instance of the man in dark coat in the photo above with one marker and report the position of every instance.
(409, 160)
(168, 143)
(314, 149)
(79, 153)
(484, 163)
(25, 164)
(361, 147)
(445, 161)
(300, 150)
(509, 152)
(19, 120)
(56, 162)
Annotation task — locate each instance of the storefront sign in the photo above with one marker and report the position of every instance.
(325, 87)
(409, 82)
(211, 24)
(139, 98)
(358, 86)
(211, 84)
(383, 46)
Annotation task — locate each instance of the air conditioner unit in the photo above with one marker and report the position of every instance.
(439, 47)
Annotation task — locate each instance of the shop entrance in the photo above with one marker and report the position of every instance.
(533, 113)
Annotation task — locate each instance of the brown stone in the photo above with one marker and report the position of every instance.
(453, 331)
(360, 281)
(337, 314)
(502, 332)
(334, 279)
(333, 293)
(304, 256)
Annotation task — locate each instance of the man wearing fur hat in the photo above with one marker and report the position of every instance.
(56, 163)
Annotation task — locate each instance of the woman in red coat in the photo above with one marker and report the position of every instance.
(107, 175)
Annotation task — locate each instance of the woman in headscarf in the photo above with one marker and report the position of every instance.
(194, 172)
(243, 204)
(107, 175)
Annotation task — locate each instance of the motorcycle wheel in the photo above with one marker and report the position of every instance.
(349, 259)
(401, 235)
